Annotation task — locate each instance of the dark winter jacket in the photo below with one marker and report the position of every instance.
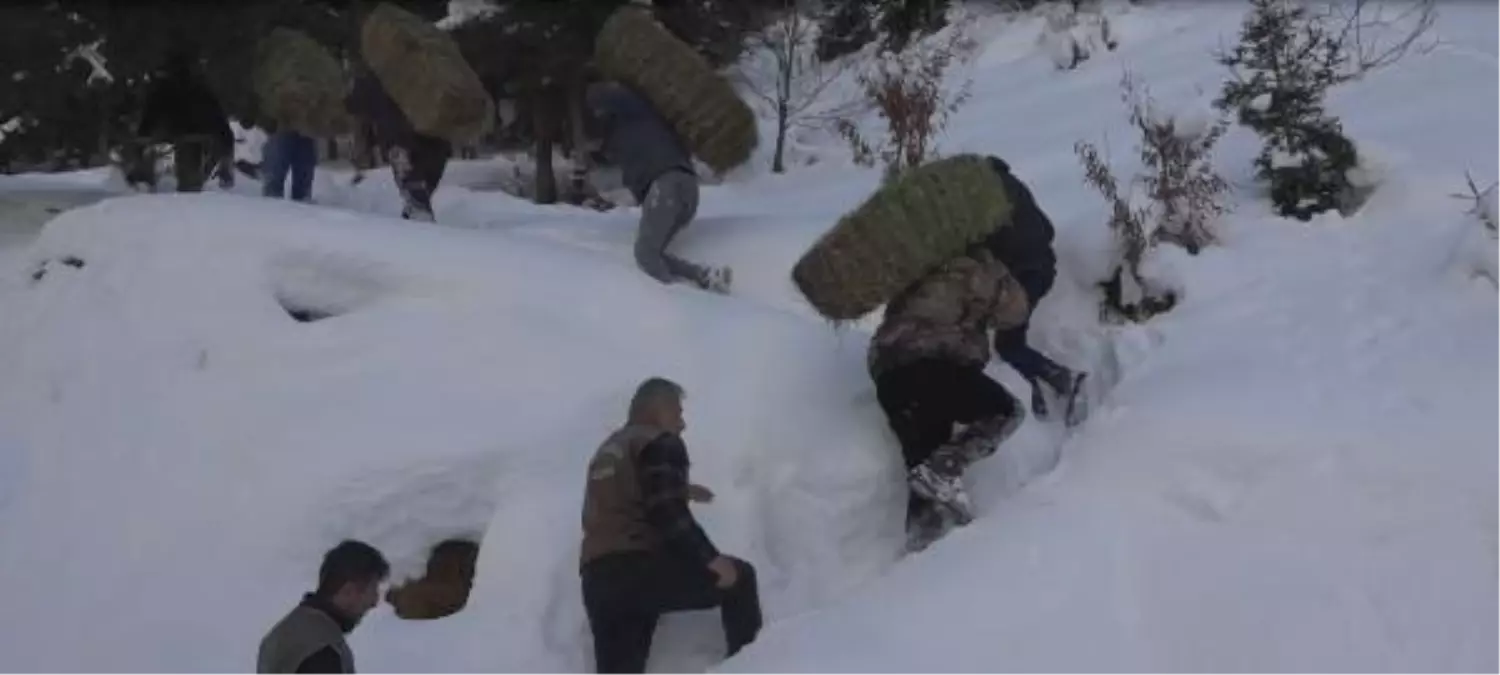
(1026, 245)
(309, 640)
(179, 105)
(637, 499)
(636, 137)
(369, 100)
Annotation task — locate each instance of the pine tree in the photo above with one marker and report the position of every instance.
(1283, 67)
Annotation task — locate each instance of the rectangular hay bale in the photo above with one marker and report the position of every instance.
(300, 85)
(924, 218)
(420, 66)
(632, 48)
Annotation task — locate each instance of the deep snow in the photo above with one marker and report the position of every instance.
(1296, 471)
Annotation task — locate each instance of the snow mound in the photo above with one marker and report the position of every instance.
(456, 387)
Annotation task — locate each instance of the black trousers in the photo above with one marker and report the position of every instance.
(1011, 345)
(418, 164)
(924, 399)
(625, 594)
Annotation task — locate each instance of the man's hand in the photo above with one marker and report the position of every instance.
(700, 494)
(725, 569)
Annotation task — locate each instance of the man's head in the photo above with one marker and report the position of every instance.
(350, 578)
(658, 402)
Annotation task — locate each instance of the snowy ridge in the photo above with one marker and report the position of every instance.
(1295, 471)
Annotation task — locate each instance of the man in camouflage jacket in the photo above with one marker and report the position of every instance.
(928, 359)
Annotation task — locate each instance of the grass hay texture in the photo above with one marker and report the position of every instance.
(300, 85)
(632, 48)
(421, 68)
(445, 589)
(923, 218)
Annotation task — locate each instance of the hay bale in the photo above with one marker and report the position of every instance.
(300, 85)
(445, 589)
(421, 68)
(920, 220)
(634, 49)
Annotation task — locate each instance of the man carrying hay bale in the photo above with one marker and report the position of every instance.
(659, 171)
(417, 161)
(300, 88)
(181, 109)
(927, 359)
(1026, 249)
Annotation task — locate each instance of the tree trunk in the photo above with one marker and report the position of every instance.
(545, 126)
(578, 181)
(778, 162)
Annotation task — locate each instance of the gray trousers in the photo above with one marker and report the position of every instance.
(669, 206)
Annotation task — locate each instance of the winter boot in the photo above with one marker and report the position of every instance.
(718, 280)
(925, 525)
(1067, 386)
(942, 483)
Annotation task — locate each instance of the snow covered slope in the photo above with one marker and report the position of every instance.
(1296, 472)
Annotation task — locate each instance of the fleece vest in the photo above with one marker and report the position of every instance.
(301, 634)
(614, 515)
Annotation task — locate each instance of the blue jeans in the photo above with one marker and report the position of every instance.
(288, 152)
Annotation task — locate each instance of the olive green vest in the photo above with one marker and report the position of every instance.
(614, 516)
(301, 634)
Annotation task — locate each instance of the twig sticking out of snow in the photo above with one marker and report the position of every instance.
(1485, 206)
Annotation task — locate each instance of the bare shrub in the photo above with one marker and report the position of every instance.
(800, 82)
(1127, 295)
(1378, 33)
(1186, 193)
(1483, 202)
(907, 91)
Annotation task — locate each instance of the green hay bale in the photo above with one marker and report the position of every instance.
(300, 85)
(923, 218)
(634, 49)
(421, 68)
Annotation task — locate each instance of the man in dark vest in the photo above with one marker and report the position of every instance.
(311, 638)
(643, 553)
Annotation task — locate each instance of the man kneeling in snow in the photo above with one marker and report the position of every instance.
(311, 638)
(927, 359)
(643, 553)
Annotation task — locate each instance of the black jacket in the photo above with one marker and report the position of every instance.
(1026, 245)
(180, 104)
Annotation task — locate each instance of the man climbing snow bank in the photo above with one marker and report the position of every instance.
(1025, 247)
(643, 553)
(659, 171)
(927, 359)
